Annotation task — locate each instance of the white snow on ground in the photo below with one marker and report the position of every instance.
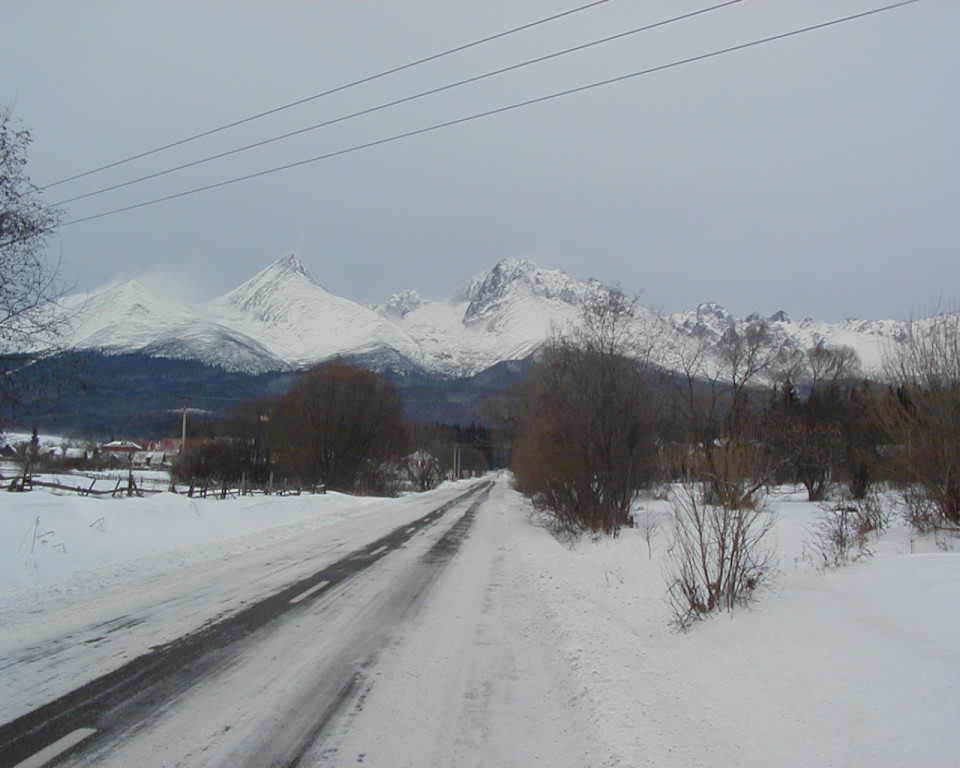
(528, 651)
(77, 537)
(857, 666)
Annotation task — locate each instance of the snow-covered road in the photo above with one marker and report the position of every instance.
(475, 679)
(348, 671)
(69, 632)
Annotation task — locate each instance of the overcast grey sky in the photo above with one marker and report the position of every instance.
(819, 174)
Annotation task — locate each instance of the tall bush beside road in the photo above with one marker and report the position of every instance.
(585, 440)
(339, 425)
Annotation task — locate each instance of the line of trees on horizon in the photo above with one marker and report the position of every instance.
(340, 426)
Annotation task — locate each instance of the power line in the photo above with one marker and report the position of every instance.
(497, 111)
(330, 92)
(404, 100)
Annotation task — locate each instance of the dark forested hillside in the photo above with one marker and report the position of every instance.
(88, 394)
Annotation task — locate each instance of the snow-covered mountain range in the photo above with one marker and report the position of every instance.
(283, 319)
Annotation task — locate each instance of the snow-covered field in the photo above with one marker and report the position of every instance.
(528, 651)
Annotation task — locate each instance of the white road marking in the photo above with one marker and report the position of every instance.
(58, 747)
(304, 595)
(410, 530)
(378, 550)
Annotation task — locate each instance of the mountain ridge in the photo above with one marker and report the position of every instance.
(282, 319)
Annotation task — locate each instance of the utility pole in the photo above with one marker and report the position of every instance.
(183, 435)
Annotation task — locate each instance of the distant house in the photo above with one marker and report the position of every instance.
(151, 459)
(121, 451)
(122, 447)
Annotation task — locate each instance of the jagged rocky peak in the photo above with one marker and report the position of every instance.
(400, 304)
(779, 317)
(713, 320)
(282, 270)
(709, 318)
(283, 281)
(489, 291)
(712, 312)
(290, 264)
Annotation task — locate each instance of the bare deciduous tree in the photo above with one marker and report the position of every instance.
(744, 356)
(830, 365)
(717, 413)
(649, 526)
(29, 285)
(585, 440)
(338, 425)
(721, 553)
(806, 436)
(922, 420)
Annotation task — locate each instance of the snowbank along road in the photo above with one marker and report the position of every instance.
(293, 677)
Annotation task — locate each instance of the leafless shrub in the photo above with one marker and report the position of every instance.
(648, 523)
(542, 516)
(378, 478)
(734, 472)
(210, 461)
(872, 514)
(422, 467)
(422, 470)
(841, 533)
(920, 510)
(837, 537)
(720, 556)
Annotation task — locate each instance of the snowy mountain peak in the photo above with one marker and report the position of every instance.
(779, 317)
(708, 319)
(512, 280)
(269, 294)
(285, 269)
(131, 290)
(711, 311)
(281, 318)
(129, 300)
(290, 264)
(400, 305)
(303, 323)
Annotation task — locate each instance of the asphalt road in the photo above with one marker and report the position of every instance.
(307, 650)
